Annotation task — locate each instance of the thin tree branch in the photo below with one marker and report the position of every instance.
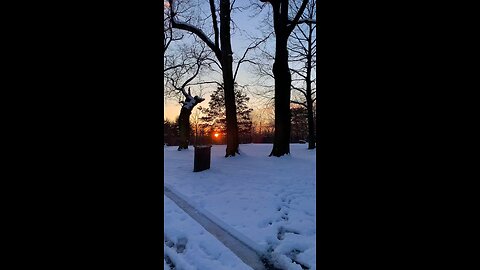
(306, 21)
(208, 82)
(297, 17)
(300, 90)
(298, 73)
(215, 23)
(298, 103)
(251, 47)
(192, 29)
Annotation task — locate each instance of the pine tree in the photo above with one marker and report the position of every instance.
(299, 124)
(170, 132)
(214, 119)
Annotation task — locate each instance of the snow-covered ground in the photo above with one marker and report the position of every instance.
(190, 247)
(269, 200)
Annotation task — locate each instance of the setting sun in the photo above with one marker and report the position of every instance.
(216, 135)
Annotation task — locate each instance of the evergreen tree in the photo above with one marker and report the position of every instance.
(214, 119)
(170, 132)
(299, 123)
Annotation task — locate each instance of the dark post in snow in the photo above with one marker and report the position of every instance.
(184, 119)
(283, 27)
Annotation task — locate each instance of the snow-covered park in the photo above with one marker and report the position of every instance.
(268, 203)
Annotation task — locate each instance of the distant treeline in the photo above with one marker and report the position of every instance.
(204, 134)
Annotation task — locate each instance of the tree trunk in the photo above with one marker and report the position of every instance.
(311, 127)
(283, 79)
(224, 55)
(281, 71)
(184, 128)
(317, 137)
(227, 60)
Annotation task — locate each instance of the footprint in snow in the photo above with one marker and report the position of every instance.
(181, 245)
(169, 262)
(282, 231)
(308, 213)
(169, 243)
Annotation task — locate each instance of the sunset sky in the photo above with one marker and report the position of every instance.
(240, 42)
(246, 25)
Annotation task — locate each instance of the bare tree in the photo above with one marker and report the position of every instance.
(263, 123)
(178, 79)
(222, 48)
(196, 123)
(302, 48)
(283, 27)
(168, 38)
(184, 119)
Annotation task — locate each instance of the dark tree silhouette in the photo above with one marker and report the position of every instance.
(283, 27)
(178, 85)
(303, 55)
(299, 123)
(170, 132)
(184, 118)
(168, 38)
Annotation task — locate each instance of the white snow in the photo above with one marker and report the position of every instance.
(190, 104)
(267, 200)
(202, 250)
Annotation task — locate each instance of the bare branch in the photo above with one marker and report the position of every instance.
(214, 21)
(208, 82)
(298, 103)
(298, 73)
(215, 62)
(172, 67)
(199, 65)
(299, 90)
(306, 21)
(300, 39)
(251, 47)
(192, 29)
(294, 22)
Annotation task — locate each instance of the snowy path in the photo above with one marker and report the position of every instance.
(246, 253)
(188, 246)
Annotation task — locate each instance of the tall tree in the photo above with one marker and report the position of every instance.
(283, 27)
(302, 48)
(299, 123)
(184, 118)
(169, 61)
(222, 48)
(178, 79)
(170, 132)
